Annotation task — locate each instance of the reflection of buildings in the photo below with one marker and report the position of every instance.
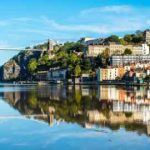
(52, 92)
(116, 120)
(136, 101)
(122, 94)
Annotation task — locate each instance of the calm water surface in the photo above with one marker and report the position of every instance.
(74, 118)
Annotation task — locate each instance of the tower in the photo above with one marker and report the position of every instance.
(50, 45)
(50, 48)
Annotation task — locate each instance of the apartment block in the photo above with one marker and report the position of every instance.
(120, 60)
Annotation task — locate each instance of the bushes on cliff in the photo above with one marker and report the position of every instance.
(32, 65)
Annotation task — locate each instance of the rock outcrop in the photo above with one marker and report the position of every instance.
(16, 68)
(11, 70)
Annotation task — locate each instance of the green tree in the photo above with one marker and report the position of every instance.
(77, 71)
(61, 54)
(127, 51)
(32, 65)
(122, 41)
(73, 58)
(106, 53)
(137, 39)
(99, 61)
(87, 64)
(128, 38)
(43, 60)
(32, 101)
(113, 38)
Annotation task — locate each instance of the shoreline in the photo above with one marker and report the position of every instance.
(79, 83)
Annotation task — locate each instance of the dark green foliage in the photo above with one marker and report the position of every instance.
(127, 51)
(113, 38)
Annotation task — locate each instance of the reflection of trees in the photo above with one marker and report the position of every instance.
(139, 128)
(32, 99)
(128, 114)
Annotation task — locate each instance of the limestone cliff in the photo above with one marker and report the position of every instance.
(11, 70)
(16, 68)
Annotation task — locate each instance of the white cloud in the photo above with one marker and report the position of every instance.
(108, 9)
(13, 21)
(118, 18)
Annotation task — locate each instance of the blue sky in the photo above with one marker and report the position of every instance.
(28, 22)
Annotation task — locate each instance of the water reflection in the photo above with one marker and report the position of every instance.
(89, 106)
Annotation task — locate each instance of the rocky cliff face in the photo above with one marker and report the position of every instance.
(11, 70)
(16, 68)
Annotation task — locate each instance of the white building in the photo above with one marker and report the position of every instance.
(147, 36)
(145, 49)
(120, 60)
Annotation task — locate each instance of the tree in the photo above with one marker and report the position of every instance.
(62, 54)
(127, 51)
(99, 61)
(118, 78)
(77, 71)
(32, 65)
(128, 38)
(32, 101)
(87, 64)
(122, 41)
(44, 59)
(113, 38)
(105, 54)
(73, 58)
(137, 39)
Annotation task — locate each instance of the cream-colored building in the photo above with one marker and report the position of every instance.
(117, 49)
(95, 50)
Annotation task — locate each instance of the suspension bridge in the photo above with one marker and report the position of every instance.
(21, 49)
(49, 45)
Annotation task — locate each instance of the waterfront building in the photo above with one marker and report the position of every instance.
(42, 76)
(109, 73)
(57, 74)
(85, 77)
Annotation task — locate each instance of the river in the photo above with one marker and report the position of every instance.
(74, 117)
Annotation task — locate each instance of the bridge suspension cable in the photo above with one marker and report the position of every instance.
(21, 49)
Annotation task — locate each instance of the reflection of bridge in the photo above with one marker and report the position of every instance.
(21, 49)
(34, 117)
(22, 116)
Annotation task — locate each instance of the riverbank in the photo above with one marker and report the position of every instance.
(78, 83)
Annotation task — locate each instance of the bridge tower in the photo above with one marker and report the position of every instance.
(50, 47)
